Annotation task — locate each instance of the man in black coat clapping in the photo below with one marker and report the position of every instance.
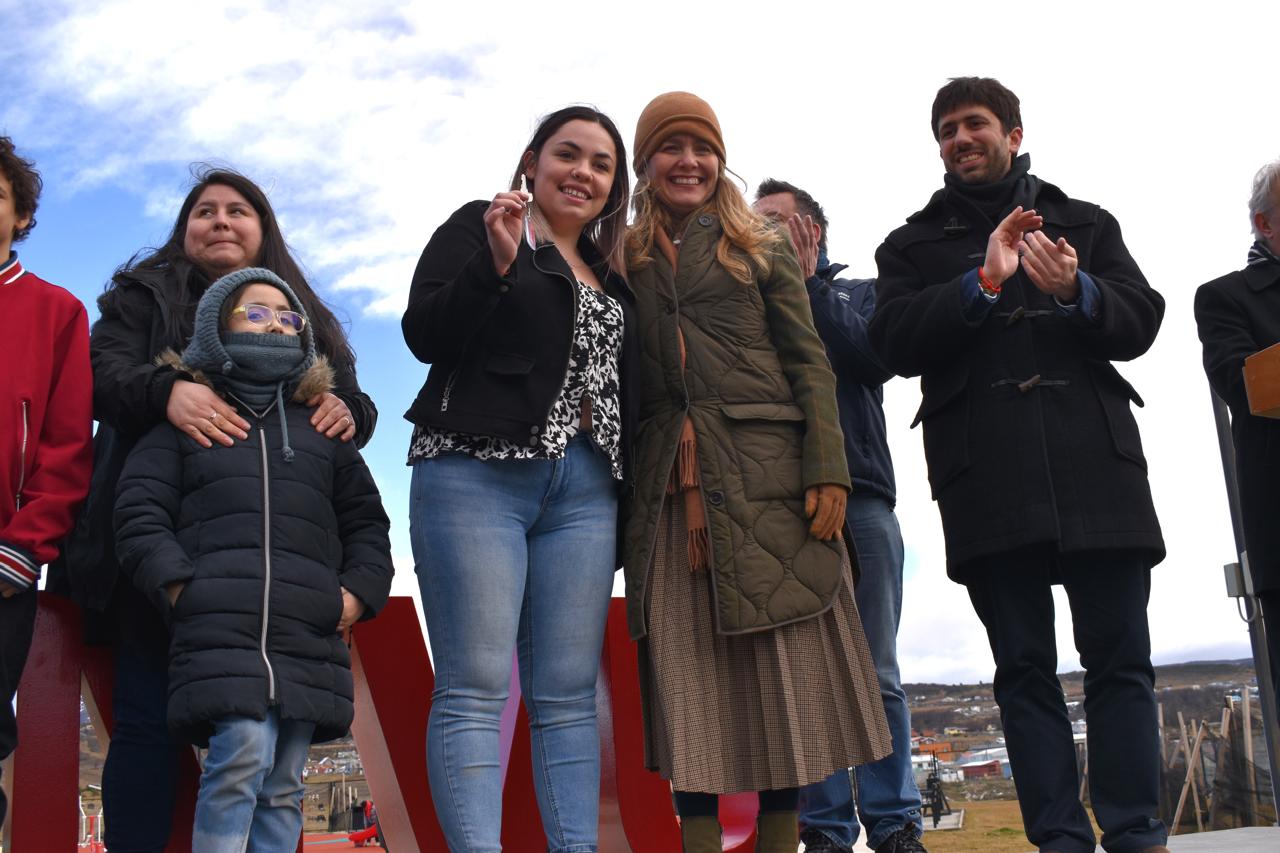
(1011, 301)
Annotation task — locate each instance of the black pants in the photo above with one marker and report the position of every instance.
(140, 776)
(17, 619)
(1108, 592)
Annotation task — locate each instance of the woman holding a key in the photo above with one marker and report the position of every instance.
(518, 453)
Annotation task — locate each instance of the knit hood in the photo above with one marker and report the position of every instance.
(207, 352)
(254, 367)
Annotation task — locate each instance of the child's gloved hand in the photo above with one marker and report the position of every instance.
(352, 610)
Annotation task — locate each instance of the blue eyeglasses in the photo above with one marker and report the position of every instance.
(261, 315)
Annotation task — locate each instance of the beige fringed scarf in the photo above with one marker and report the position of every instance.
(684, 474)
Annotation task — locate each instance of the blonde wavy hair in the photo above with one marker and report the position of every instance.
(744, 249)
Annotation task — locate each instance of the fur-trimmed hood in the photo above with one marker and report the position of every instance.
(316, 379)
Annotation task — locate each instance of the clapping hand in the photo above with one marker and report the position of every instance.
(805, 243)
(1005, 245)
(1051, 266)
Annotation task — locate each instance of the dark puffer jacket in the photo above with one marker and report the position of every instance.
(263, 546)
(130, 393)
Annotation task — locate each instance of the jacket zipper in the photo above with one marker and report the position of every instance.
(448, 385)
(22, 459)
(266, 565)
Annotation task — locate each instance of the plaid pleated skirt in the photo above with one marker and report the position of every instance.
(751, 712)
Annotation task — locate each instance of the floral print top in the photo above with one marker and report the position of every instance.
(593, 374)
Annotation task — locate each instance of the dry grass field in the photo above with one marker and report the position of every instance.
(990, 826)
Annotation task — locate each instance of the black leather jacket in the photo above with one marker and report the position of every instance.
(499, 346)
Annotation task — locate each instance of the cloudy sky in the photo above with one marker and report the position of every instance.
(368, 123)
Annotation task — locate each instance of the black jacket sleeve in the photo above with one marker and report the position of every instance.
(1131, 310)
(363, 530)
(1228, 340)
(842, 325)
(130, 392)
(347, 389)
(455, 287)
(148, 500)
(918, 324)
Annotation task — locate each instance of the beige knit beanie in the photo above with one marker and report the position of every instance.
(675, 112)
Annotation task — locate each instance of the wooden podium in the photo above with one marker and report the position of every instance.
(1262, 382)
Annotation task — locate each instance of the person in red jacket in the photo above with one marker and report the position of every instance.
(46, 421)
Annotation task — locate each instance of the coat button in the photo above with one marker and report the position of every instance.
(534, 430)
(715, 498)
(503, 288)
(704, 220)
(671, 308)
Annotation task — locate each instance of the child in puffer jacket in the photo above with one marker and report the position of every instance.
(258, 554)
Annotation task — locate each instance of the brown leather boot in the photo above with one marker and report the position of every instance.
(700, 835)
(777, 832)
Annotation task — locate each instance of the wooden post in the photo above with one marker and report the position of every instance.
(1189, 784)
(1251, 774)
(1164, 756)
(1084, 778)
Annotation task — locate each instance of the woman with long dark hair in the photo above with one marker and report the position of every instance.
(225, 224)
(518, 453)
(755, 672)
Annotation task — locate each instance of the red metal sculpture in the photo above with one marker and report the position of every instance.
(394, 680)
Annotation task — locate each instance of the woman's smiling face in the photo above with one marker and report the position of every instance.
(684, 171)
(573, 173)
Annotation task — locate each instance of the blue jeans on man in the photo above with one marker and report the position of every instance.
(515, 556)
(887, 796)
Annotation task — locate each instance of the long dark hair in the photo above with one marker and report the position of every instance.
(608, 230)
(275, 255)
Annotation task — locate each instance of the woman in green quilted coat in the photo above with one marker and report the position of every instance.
(754, 668)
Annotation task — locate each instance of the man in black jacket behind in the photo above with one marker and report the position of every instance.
(887, 796)
(1011, 301)
(1238, 315)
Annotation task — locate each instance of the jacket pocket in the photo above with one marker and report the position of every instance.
(508, 364)
(944, 411)
(1115, 395)
(767, 443)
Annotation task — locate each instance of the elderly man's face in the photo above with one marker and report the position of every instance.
(1269, 222)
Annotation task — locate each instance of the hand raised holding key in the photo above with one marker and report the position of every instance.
(504, 221)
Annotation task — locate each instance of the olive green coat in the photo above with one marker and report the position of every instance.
(761, 395)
